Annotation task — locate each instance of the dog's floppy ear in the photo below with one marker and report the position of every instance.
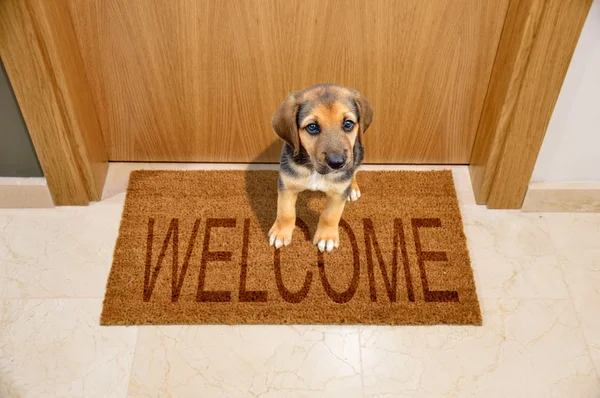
(365, 114)
(284, 122)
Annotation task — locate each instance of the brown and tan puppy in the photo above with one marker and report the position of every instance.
(322, 127)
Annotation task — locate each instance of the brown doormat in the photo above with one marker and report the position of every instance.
(193, 249)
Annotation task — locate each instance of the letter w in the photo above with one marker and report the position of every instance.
(172, 236)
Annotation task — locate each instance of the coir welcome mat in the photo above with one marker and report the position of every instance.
(193, 249)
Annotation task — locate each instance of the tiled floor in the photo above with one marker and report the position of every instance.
(537, 275)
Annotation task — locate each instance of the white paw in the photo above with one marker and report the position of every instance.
(279, 237)
(327, 246)
(354, 195)
(279, 241)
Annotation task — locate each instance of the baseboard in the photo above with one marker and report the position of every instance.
(562, 197)
(20, 193)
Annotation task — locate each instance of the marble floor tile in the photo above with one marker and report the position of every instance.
(61, 252)
(512, 255)
(55, 348)
(239, 361)
(577, 238)
(528, 348)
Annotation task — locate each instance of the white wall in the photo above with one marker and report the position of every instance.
(571, 148)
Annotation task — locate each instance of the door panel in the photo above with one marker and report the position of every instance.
(198, 80)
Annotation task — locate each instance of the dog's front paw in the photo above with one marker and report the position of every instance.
(354, 191)
(281, 234)
(354, 194)
(327, 238)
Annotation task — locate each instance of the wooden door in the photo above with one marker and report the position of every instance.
(198, 80)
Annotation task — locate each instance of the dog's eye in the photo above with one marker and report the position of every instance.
(313, 128)
(348, 125)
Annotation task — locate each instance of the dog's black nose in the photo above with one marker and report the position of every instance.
(335, 161)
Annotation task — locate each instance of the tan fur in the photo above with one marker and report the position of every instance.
(354, 185)
(286, 216)
(327, 229)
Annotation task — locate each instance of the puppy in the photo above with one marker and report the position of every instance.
(322, 127)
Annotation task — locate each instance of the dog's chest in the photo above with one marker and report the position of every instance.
(317, 182)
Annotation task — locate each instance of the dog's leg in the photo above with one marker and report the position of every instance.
(354, 191)
(328, 236)
(281, 231)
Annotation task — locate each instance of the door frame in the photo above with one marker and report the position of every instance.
(42, 59)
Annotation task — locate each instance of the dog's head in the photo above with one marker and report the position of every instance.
(326, 120)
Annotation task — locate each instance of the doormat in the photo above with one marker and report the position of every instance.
(193, 249)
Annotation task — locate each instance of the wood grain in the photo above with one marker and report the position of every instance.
(43, 62)
(198, 80)
(509, 69)
(515, 119)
